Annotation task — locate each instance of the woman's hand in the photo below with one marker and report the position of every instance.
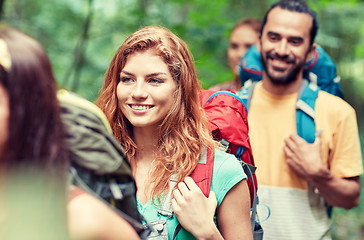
(194, 211)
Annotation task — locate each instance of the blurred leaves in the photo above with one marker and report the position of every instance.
(80, 58)
(59, 26)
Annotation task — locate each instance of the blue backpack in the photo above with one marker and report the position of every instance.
(321, 70)
(320, 73)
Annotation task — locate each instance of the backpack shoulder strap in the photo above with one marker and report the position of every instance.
(246, 92)
(253, 217)
(305, 111)
(305, 117)
(305, 107)
(202, 174)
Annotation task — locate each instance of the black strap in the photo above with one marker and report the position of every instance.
(176, 231)
(248, 172)
(143, 230)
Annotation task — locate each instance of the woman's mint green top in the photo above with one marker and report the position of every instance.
(227, 172)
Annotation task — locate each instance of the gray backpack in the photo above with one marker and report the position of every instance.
(99, 165)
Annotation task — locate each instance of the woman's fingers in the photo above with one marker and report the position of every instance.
(191, 184)
(182, 187)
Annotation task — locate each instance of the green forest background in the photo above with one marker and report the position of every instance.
(81, 36)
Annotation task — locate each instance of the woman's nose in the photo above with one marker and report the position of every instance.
(139, 90)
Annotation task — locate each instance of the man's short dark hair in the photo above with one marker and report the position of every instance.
(295, 6)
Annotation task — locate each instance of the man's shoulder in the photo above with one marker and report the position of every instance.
(332, 100)
(330, 103)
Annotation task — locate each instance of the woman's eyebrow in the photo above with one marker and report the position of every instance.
(127, 73)
(156, 74)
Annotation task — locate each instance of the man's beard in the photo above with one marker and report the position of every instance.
(290, 77)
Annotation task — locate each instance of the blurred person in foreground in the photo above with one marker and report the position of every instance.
(34, 157)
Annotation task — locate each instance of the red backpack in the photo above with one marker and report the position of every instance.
(227, 115)
(228, 121)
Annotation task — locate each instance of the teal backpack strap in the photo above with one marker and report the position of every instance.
(305, 111)
(246, 92)
(305, 118)
(305, 107)
(202, 175)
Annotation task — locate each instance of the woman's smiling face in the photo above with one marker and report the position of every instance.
(146, 90)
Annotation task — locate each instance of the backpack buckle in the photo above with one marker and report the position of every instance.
(115, 190)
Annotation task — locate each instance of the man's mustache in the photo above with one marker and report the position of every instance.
(275, 56)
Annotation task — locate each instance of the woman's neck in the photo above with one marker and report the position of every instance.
(237, 83)
(146, 140)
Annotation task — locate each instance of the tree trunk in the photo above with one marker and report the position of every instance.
(2, 9)
(79, 52)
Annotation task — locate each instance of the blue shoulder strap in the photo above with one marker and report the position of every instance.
(305, 107)
(305, 111)
(246, 93)
(305, 116)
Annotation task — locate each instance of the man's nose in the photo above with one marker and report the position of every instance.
(282, 48)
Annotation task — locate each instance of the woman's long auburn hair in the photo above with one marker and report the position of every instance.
(184, 132)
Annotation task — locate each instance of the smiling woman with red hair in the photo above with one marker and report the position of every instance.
(151, 97)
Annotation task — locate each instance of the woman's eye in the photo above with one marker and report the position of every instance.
(234, 46)
(155, 81)
(126, 79)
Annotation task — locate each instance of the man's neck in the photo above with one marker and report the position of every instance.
(275, 89)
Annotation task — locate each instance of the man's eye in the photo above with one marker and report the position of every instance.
(273, 38)
(296, 42)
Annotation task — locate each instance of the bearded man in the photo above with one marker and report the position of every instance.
(299, 180)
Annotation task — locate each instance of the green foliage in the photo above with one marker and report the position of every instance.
(80, 60)
(349, 224)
